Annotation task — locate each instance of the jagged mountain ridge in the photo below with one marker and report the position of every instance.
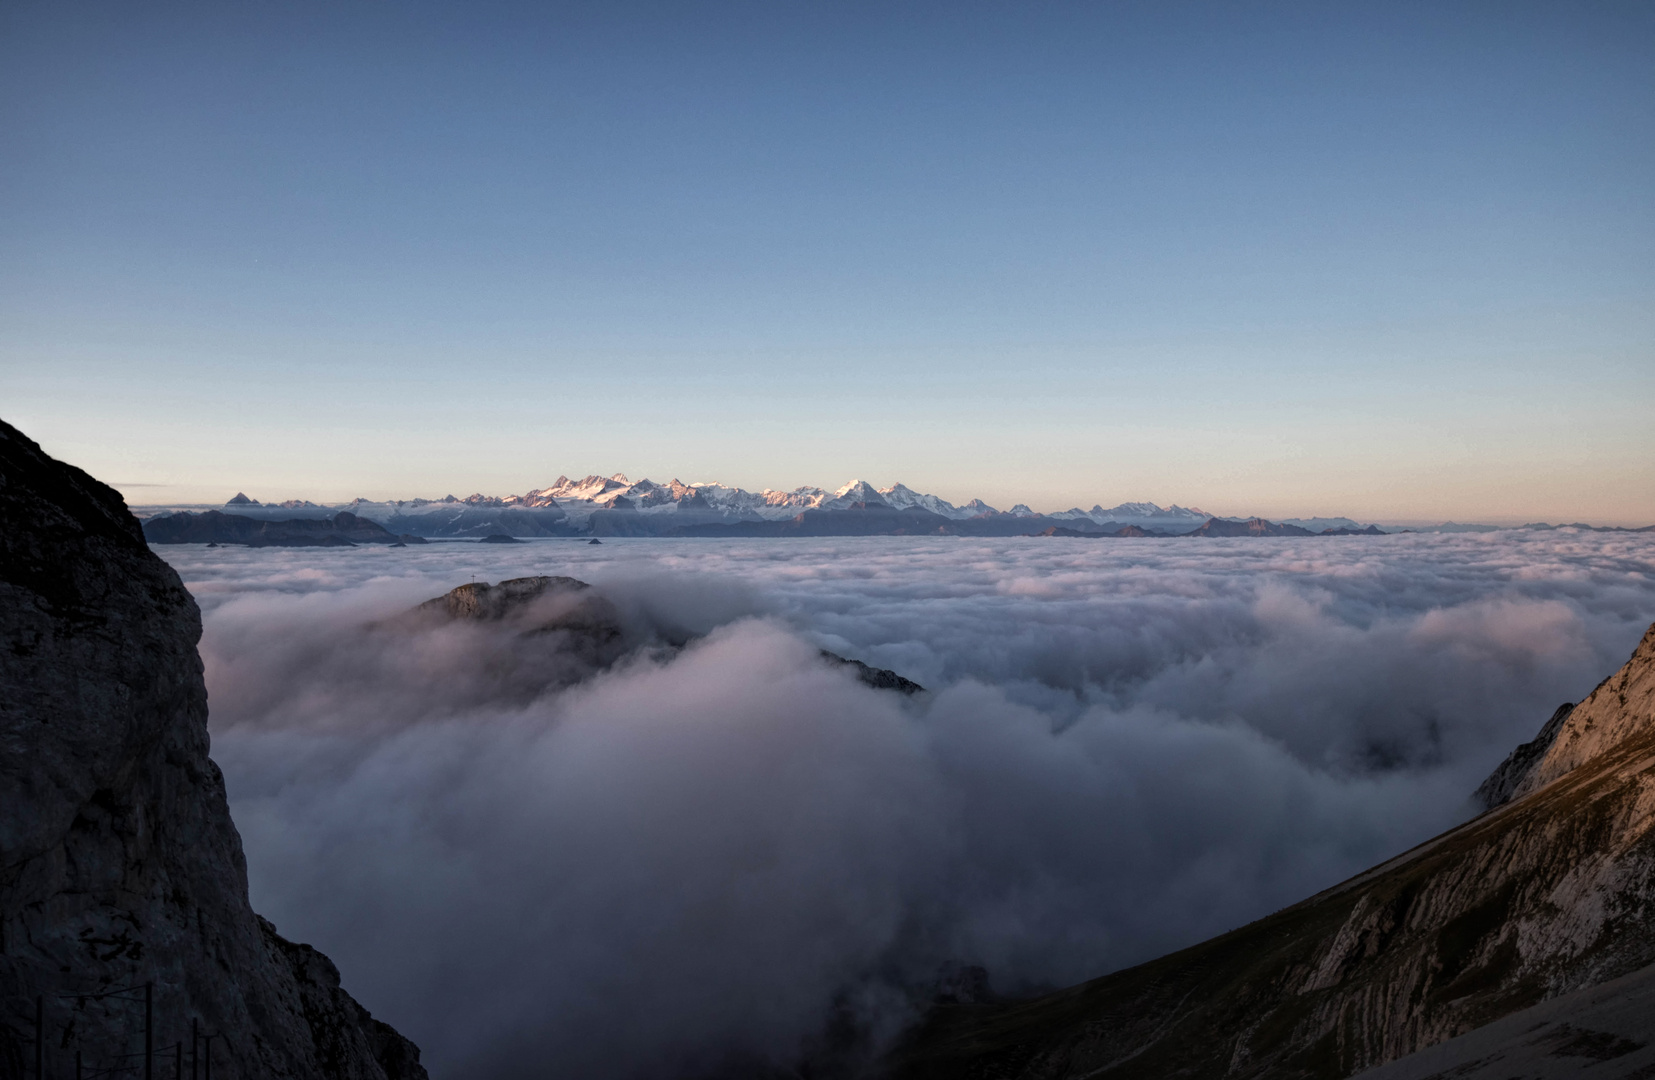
(615, 506)
(119, 864)
(589, 504)
(607, 492)
(1547, 894)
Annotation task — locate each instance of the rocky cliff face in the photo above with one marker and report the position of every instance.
(119, 865)
(1549, 893)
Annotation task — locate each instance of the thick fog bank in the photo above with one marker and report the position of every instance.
(702, 856)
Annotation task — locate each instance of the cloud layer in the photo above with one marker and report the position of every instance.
(705, 856)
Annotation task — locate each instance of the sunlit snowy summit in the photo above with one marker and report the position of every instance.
(590, 494)
(591, 503)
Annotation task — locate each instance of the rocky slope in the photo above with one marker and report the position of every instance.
(1621, 710)
(1547, 894)
(119, 865)
(1601, 1032)
(1502, 783)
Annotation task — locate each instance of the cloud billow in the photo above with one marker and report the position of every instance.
(700, 856)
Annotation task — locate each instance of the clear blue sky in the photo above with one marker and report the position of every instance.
(1390, 260)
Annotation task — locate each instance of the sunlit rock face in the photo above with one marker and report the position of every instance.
(1619, 711)
(1549, 893)
(1503, 782)
(119, 864)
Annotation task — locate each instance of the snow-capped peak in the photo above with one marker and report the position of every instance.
(587, 489)
(714, 502)
(903, 497)
(857, 491)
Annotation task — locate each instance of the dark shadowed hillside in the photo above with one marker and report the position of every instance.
(213, 527)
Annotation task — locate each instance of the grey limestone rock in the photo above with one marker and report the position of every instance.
(1498, 789)
(119, 864)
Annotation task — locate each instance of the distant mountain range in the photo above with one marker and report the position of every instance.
(579, 499)
(616, 506)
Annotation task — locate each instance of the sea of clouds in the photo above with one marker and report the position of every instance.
(736, 853)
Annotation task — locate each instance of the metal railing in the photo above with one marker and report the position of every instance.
(136, 1064)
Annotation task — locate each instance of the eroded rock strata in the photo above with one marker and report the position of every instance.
(1549, 893)
(119, 864)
